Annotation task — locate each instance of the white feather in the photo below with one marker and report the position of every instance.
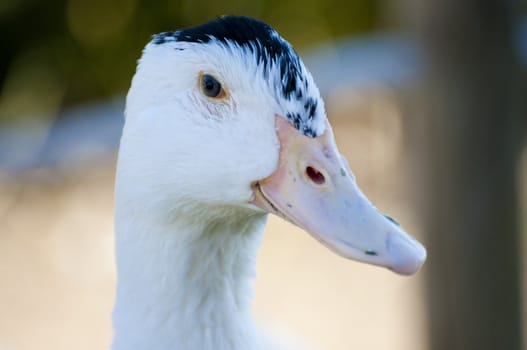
(186, 241)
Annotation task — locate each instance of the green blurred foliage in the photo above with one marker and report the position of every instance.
(64, 52)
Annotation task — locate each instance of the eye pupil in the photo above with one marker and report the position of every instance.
(210, 86)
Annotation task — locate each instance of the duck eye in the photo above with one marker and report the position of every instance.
(210, 86)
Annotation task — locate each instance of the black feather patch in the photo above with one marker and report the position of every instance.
(269, 48)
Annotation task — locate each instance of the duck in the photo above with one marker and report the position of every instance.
(225, 125)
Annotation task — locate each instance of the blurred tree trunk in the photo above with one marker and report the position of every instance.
(468, 142)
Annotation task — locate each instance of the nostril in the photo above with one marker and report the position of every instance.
(315, 175)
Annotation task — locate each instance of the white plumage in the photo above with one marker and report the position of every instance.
(187, 223)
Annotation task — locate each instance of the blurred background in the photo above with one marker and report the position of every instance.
(429, 104)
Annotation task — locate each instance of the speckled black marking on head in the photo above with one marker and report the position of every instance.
(165, 37)
(311, 107)
(268, 48)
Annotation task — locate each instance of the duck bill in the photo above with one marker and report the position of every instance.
(314, 189)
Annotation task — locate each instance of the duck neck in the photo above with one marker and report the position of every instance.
(185, 284)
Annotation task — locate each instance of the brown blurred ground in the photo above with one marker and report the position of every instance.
(57, 270)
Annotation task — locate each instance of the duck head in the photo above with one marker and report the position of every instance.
(226, 115)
